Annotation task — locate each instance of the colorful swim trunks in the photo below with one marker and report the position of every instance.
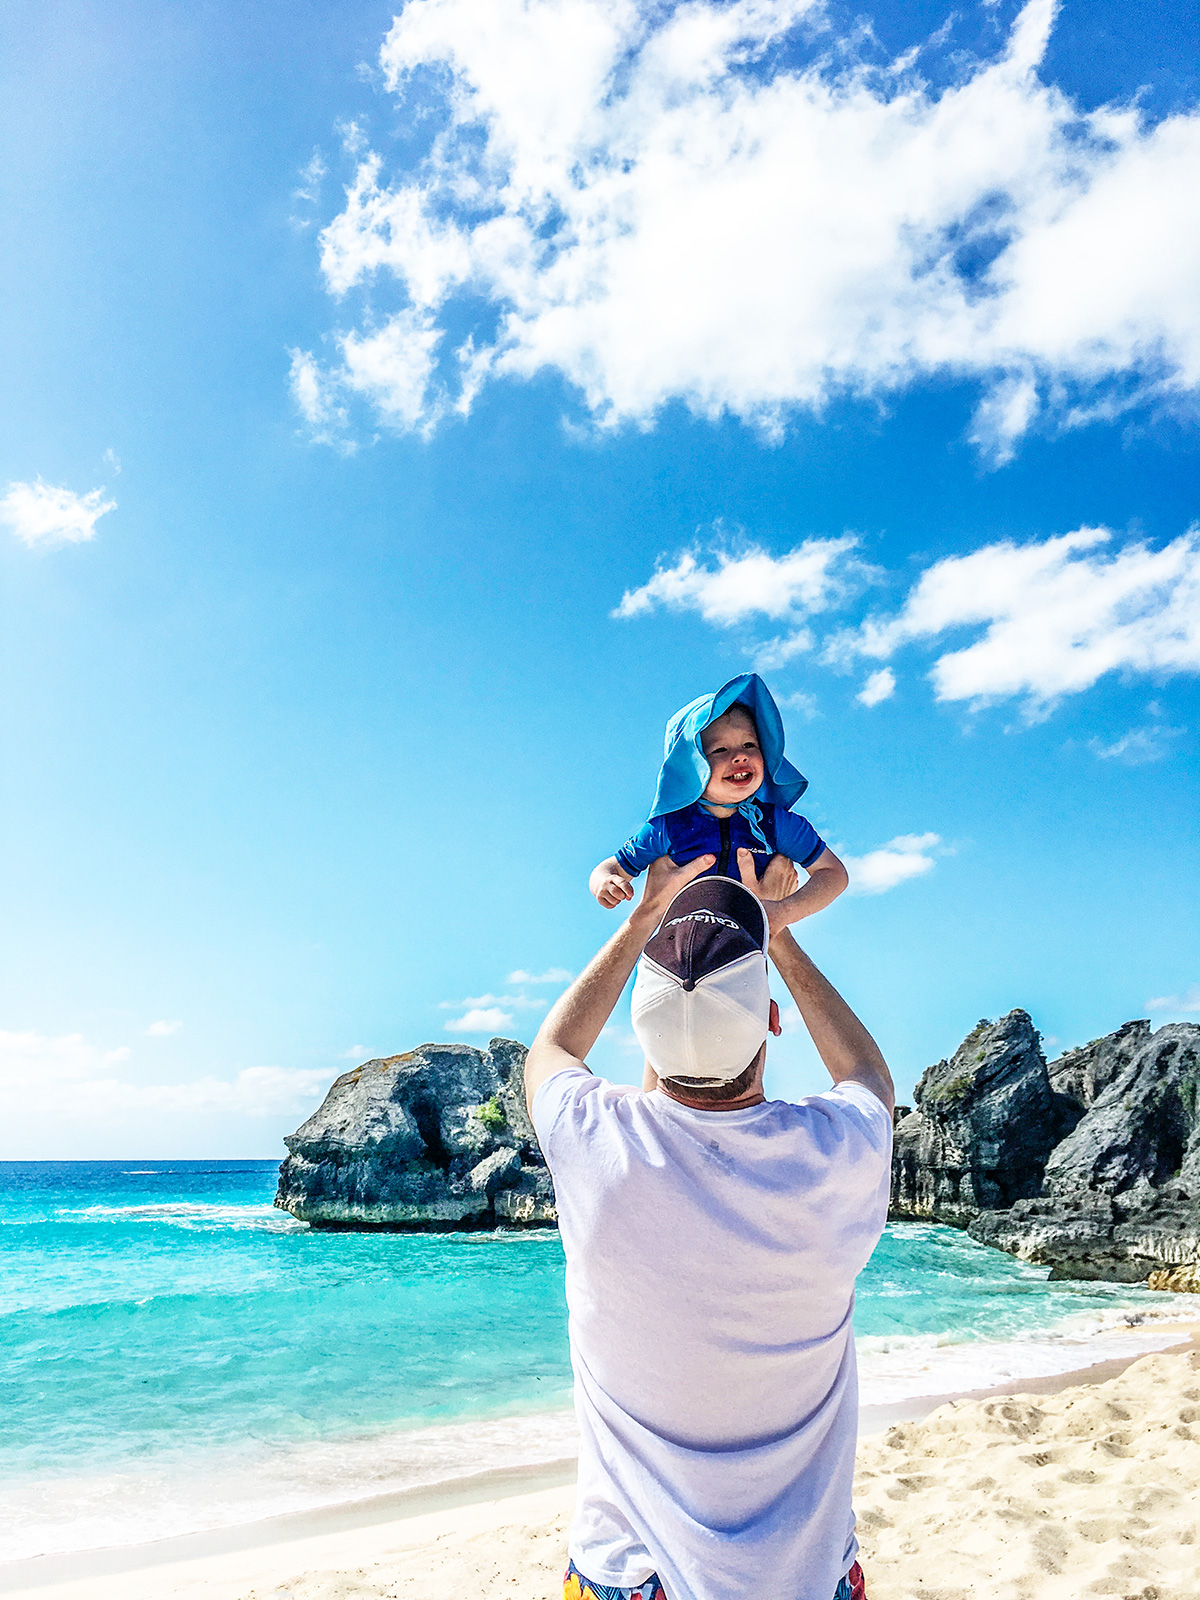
(577, 1587)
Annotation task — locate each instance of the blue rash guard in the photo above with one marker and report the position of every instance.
(684, 835)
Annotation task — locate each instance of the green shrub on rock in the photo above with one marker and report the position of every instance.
(491, 1113)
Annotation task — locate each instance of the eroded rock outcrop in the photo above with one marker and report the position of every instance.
(985, 1124)
(435, 1139)
(1090, 1165)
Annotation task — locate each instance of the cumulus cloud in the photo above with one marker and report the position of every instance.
(311, 175)
(724, 204)
(315, 396)
(1052, 617)
(519, 1002)
(40, 514)
(905, 857)
(551, 975)
(1049, 618)
(805, 704)
(482, 1019)
(162, 1030)
(1179, 1005)
(807, 579)
(1139, 746)
(75, 1079)
(879, 686)
(776, 653)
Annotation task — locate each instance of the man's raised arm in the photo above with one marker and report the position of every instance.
(844, 1045)
(577, 1016)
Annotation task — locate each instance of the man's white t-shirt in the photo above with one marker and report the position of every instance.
(711, 1259)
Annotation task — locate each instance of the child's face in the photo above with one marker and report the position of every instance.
(730, 745)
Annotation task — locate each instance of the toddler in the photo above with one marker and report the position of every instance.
(725, 786)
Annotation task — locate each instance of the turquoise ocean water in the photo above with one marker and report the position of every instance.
(178, 1355)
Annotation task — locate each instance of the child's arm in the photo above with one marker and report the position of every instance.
(610, 881)
(827, 877)
(796, 838)
(610, 884)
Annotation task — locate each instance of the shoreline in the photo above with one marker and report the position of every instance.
(206, 1563)
(887, 1416)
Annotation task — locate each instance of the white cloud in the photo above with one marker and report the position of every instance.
(879, 686)
(392, 365)
(1139, 746)
(1050, 617)
(519, 1002)
(551, 975)
(352, 136)
(162, 1030)
(776, 653)
(40, 514)
(810, 578)
(790, 1020)
(659, 204)
(356, 1052)
(1182, 1005)
(905, 857)
(113, 460)
(489, 1019)
(806, 704)
(1055, 616)
(310, 178)
(316, 398)
(73, 1080)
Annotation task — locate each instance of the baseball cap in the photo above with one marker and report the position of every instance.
(701, 1000)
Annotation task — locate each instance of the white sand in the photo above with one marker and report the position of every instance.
(513, 1547)
(1092, 1491)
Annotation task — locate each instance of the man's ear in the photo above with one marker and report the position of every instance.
(773, 1022)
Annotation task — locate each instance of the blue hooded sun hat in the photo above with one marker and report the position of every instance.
(685, 773)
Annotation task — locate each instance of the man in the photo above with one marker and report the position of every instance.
(712, 1240)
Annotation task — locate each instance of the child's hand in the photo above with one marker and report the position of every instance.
(610, 885)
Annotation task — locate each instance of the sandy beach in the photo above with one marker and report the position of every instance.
(1084, 1485)
(1094, 1490)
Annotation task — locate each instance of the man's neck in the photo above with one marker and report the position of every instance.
(753, 1096)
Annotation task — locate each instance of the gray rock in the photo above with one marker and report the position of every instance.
(1090, 1166)
(1082, 1075)
(437, 1138)
(530, 1200)
(1141, 1127)
(985, 1124)
(1094, 1237)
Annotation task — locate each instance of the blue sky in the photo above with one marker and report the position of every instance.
(863, 345)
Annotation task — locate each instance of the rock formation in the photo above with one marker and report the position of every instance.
(1090, 1165)
(435, 1139)
(985, 1124)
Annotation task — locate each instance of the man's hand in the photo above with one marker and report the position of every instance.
(575, 1019)
(663, 882)
(609, 884)
(782, 901)
(779, 878)
(773, 890)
